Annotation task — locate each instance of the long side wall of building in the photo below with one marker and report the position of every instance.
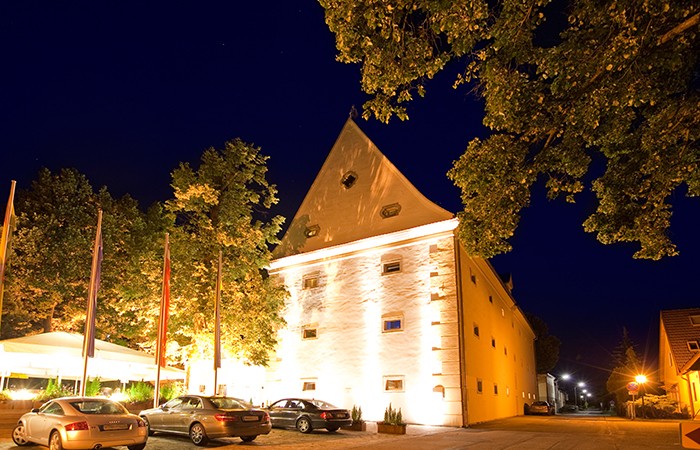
(498, 343)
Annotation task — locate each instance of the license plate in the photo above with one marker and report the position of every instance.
(251, 418)
(115, 426)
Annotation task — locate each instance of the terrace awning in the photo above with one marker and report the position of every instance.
(59, 354)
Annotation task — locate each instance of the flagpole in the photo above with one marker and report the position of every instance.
(217, 325)
(163, 319)
(9, 212)
(89, 335)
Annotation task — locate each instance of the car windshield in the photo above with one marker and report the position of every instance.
(229, 403)
(98, 407)
(321, 404)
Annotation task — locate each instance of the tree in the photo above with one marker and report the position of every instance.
(620, 83)
(546, 345)
(627, 366)
(52, 253)
(222, 205)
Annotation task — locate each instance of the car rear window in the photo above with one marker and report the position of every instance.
(322, 404)
(98, 407)
(229, 403)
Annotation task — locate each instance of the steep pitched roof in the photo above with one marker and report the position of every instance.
(682, 326)
(357, 194)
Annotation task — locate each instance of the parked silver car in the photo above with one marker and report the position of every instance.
(204, 418)
(81, 423)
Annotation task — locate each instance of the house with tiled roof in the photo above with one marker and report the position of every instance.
(387, 307)
(679, 356)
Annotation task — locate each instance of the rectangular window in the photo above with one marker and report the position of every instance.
(495, 389)
(394, 383)
(476, 330)
(693, 346)
(391, 267)
(479, 386)
(695, 394)
(393, 324)
(309, 386)
(493, 342)
(310, 282)
(309, 332)
(695, 321)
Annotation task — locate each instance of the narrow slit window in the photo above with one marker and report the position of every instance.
(479, 386)
(391, 267)
(476, 330)
(309, 386)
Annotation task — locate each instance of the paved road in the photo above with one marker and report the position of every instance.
(532, 433)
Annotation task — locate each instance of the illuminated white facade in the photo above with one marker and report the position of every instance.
(386, 307)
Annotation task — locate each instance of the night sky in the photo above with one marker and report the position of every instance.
(123, 93)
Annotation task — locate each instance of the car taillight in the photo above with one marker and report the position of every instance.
(77, 426)
(266, 418)
(140, 423)
(325, 415)
(225, 418)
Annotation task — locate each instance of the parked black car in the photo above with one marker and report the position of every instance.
(306, 415)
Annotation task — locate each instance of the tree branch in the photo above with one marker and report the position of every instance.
(678, 29)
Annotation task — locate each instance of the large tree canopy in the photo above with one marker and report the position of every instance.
(222, 206)
(621, 80)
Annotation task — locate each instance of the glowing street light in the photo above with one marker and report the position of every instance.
(641, 379)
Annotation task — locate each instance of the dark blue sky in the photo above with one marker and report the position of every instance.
(125, 92)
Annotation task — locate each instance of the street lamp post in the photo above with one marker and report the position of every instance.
(641, 380)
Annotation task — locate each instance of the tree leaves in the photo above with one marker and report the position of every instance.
(620, 81)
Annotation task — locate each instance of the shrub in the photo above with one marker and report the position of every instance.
(171, 390)
(140, 392)
(392, 416)
(54, 389)
(92, 387)
(5, 395)
(356, 414)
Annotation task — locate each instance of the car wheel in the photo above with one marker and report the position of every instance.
(332, 429)
(136, 447)
(248, 438)
(198, 435)
(148, 426)
(304, 425)
(19, 436)
(55, 441)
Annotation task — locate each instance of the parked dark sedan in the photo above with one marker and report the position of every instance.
(204, 418)
(306, 415)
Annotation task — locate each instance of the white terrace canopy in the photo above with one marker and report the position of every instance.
(59, 354)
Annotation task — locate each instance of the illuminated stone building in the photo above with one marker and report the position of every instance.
(387, 307)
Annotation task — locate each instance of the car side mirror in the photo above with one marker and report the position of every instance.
(35, 410)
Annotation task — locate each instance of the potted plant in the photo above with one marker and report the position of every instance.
(357, 423)
(393, 422)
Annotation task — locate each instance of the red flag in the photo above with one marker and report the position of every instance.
(4, 241)
(89, 336)
(164, 307)
(217, 319)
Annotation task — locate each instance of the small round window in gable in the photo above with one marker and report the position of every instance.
(348, 179)
(312, 231)
(390, 210)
